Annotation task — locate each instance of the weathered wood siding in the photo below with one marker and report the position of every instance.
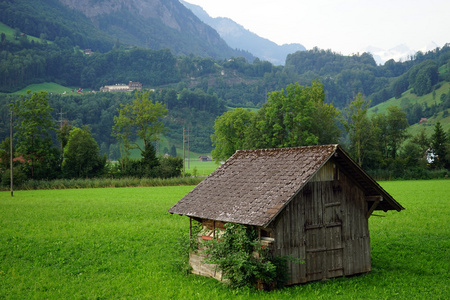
(356, 234)
(200, 268)
(325, 226)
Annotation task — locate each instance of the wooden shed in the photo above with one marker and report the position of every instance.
(312, 203)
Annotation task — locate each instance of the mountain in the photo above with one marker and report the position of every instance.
(399, 53)
(240, 38)
(154, 24)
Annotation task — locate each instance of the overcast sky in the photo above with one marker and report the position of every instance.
(345, 26)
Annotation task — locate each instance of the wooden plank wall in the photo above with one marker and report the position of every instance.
(199, 268)
(324, 225)
(289, 238)
(356, 229)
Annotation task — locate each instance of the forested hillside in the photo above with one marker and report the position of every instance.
(197, 88)
(234, 82)
(52, 21)
(102, 25)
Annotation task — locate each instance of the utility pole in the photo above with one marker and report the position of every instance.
(61, 125)
(60, 118)
(11, 155)
(183, 152)
(189, 153)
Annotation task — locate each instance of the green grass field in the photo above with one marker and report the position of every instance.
(121, 243)
(49, 87)
(203, 167)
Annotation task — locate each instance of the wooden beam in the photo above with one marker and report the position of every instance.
(190, 231)
(374, 198)
(374, 205)
(259, 235)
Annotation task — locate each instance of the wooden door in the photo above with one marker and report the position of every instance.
(323, 233)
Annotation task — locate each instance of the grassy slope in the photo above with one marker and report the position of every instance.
(121, 243)
(9, 33)
(429, 125)
(408, 97)
(50, 87)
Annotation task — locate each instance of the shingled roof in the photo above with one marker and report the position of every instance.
(253, 186)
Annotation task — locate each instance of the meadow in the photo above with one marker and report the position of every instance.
(427, 101)
(202, 168)
(49, 87)
(120, 243)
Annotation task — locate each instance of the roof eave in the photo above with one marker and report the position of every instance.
(366, 177)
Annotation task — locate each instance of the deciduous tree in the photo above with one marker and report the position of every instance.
(229, 132)
(288, 117)
(396, 129)
(81, 153)
(142, 119)
(32, 131)
(358, 126)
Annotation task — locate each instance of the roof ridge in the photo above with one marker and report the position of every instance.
(335, 146)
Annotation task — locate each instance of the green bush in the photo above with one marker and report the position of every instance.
(80, 183)
(243, 260)
(396, 173)
(19, 177)
(168, 167)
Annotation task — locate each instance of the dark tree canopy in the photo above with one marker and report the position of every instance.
(81, 155)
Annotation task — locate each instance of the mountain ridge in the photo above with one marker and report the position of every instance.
(238, 37)
(102, 25)
(154, 24)
(401, 52)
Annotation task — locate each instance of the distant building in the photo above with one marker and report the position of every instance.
(87, 51)
(122, 87)
(204, 158)
(135, 85)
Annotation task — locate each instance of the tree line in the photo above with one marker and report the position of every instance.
(44, 62)
(295, 116)
(235, 80)
(195, 109)
(299, 116)
(76, 153)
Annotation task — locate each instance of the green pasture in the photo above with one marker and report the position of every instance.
(120, 243)
(409, 98)
(49, 87)
(191, 158)
(9, 33)
(414, 129)
(202, 167)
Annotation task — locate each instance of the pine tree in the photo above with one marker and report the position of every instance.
(439, 146)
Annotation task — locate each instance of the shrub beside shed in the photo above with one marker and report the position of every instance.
(310, 203)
